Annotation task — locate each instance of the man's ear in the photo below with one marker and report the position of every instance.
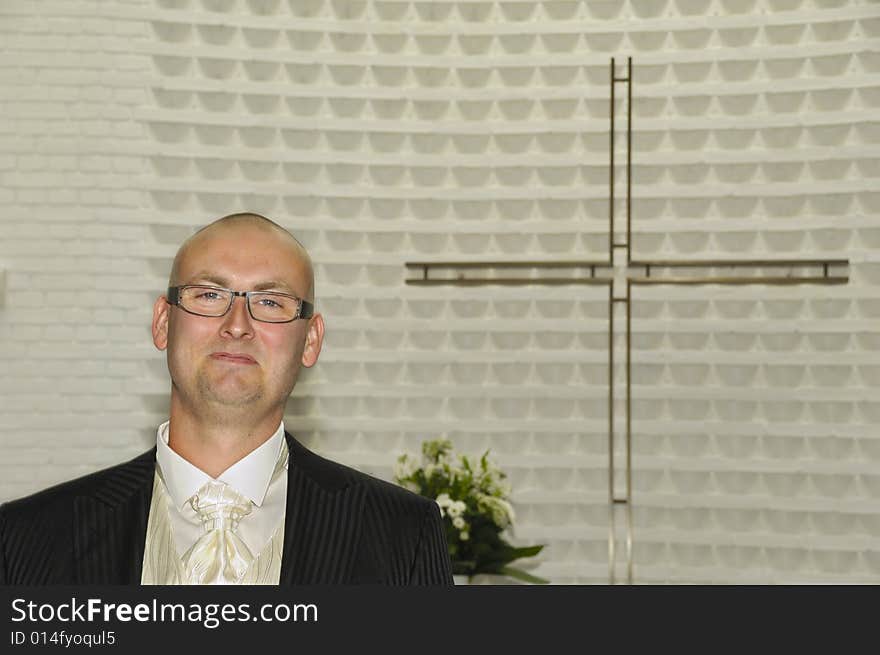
(160, 323)
(314, 339)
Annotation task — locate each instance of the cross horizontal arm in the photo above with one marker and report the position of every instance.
(823, 277)
(512, 264)
(724, 263)
(509, 281)
(777, 280)
(588, 277)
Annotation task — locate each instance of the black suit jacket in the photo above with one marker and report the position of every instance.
(341, 527)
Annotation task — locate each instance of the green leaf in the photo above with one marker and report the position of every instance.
(526, 551)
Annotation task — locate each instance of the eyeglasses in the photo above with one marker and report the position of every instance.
(265, 306)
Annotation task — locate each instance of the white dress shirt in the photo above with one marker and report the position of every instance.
(251, 476)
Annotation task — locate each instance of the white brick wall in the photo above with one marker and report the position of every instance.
(387, 132)
(71, 173)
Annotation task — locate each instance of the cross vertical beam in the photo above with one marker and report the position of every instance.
(614, 500)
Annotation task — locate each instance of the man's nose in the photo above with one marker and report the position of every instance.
(237, 323)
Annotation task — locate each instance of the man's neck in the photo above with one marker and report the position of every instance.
(214, 445)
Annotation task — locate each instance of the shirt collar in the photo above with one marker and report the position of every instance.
(250, 476)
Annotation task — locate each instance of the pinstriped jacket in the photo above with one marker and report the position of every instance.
(341, 527)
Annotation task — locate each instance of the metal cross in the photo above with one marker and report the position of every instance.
(636, 272)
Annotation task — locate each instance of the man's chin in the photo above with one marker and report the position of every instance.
(229, 406)
(231, 394)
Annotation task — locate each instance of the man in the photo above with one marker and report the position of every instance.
(228, 496)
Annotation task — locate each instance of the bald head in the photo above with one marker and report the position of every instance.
(244, 220)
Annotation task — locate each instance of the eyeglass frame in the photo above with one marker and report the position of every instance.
(305, 308)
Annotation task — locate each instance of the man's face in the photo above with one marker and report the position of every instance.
(234, 361)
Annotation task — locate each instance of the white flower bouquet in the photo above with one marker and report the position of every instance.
(473, 500)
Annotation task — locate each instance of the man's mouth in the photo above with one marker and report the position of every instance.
(233, 358)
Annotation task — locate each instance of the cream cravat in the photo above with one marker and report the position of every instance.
(219, 556)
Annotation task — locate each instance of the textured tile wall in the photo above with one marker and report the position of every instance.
(73, 324)
(382, 132)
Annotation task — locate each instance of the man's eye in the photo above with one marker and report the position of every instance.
(270, 303)
(208, 295)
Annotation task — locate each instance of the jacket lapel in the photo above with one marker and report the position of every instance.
(322, 524)
(110, 524)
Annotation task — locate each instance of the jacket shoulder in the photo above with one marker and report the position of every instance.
(332, 476)
(37, 532)
(57, 498)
